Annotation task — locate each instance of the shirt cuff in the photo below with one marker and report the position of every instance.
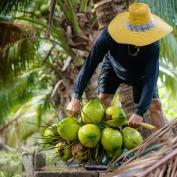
(76, 95)
(139, 112)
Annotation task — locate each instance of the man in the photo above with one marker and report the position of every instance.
(131, 50)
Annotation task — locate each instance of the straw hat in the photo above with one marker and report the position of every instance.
(138, 26)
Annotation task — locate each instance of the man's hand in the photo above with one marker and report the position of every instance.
(73, 107)
(135, 121)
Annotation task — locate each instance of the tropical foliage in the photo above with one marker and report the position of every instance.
(10, 165)
(42, 49)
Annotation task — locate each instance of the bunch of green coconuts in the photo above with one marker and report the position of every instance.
(100, 130)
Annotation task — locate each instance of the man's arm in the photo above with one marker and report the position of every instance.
(95, 57)
(149, 85)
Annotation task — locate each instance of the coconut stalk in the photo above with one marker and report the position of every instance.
(51, 15)
(83, 6)
(74, 19)
(148, 126)
(68, 10)
(144, 125)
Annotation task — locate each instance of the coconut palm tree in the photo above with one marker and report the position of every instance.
(73, 33)
(77, 36)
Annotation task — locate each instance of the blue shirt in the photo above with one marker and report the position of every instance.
(130, 69)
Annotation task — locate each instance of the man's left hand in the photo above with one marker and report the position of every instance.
(135, 121)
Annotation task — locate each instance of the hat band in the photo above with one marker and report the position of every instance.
(140, 28)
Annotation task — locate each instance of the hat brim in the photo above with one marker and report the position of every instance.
(121, 34)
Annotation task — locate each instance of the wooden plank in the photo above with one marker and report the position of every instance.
(66, 174)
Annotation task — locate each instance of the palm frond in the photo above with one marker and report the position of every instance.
(168, 62)
(24, 123)
(8, 6)
(166, 9)
(17, 50)
(168, 76)
(168, 49)
(57, 33)
(5, 18)
(13, 95)
(169, 107)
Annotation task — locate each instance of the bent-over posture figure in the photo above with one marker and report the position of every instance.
(129, 49)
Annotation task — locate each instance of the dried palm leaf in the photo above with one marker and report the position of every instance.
(157, 156)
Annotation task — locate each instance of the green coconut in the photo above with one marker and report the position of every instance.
(80, 152)
(68, 129)
(93, 112)
(63, 150)
(51, 134)
(89, 135)
(113, 120)
(111, 140)
(113, 112)
(131, 138)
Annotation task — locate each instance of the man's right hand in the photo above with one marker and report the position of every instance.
(73, 108)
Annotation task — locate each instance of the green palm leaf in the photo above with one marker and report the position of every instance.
(27, 120)
(166, 9)
(18, 92)
(17, 50)
(168, 75)
(168, 49)
(7, 6)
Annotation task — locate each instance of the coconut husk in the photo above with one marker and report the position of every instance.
(76, 148)
(156, 157)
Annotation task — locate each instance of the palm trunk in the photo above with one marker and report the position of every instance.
(105, 11)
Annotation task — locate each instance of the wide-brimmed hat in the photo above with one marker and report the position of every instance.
(138, 26)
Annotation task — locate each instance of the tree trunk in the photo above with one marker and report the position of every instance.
(106, 10)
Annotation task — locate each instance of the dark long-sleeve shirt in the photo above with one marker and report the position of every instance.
(130, 69)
